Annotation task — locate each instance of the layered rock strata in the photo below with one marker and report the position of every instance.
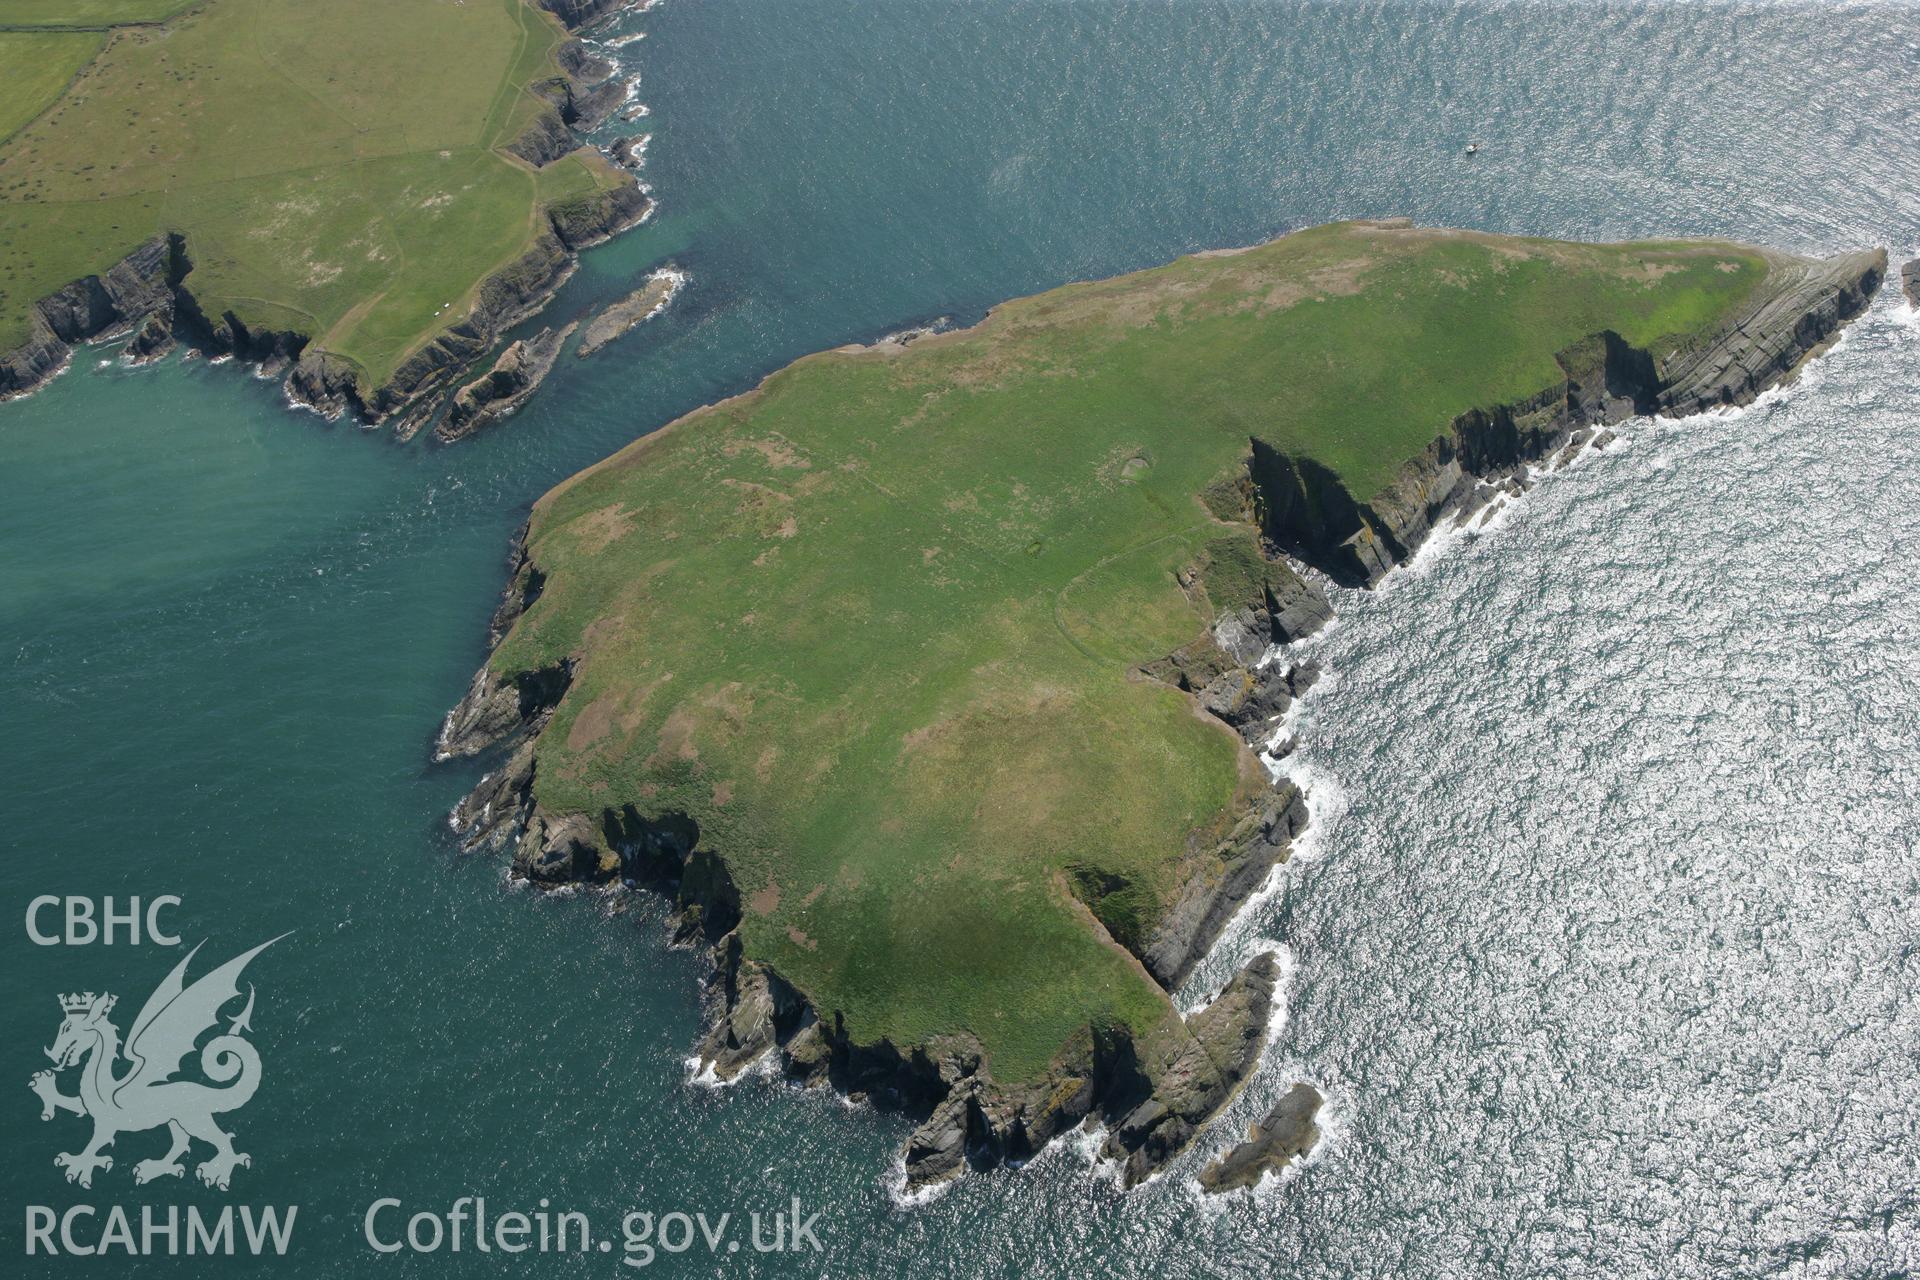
(150, 292)
(1151, 1090)
(1307, 511)
(515, 376)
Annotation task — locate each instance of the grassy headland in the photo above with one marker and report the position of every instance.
(922, 675)
(874, 627)
(335, 170)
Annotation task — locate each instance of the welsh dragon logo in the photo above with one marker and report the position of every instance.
(145, 1095)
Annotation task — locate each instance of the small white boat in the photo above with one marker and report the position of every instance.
(1473, 148)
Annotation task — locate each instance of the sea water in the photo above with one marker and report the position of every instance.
(1603, 948)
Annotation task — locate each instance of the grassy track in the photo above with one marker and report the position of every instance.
(332, 166)
(872, 626)
(87, 13)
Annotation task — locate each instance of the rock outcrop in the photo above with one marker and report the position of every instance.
(140, 285)
(1306, 510)
(582, 65)
(154, 338)
(1220, 884)
(1910, 282)
(1153, 1092)
(1275, 606)
(1182, 1081)
(408, 400)
(1152, 1088)
(581, 97)
(578, 15)
(1284, 1135)
(581, 104)
(545, 139)
(595, 219)
(151, 290)
(618, 317)
(515, 376)
(631, 153)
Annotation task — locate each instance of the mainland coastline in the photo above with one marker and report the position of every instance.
(154, 293)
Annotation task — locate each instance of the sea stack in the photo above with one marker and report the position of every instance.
(515, 376)
(1286, 1133)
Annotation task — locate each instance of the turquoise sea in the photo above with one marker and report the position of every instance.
(1606, 944)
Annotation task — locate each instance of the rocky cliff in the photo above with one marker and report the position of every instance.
(580, 14)
(140, 286)
(1152, 1089)
(1910, 282)
(515, 376)
(410, 398)
(150, 292)
(1304, 509)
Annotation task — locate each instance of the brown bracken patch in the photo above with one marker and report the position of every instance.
(592, 724)
(778, 451)
(604, 527)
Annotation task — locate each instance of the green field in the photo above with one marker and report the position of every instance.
(874, 625)
(333, 167)
(88, 13)
(35, 69)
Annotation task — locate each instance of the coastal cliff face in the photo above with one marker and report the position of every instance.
(151, 291)
(517, 292)
(1152, 1082)
(581, 98)
(581, 14)
(1152, 1091)
(138, 287)
(1308, 511)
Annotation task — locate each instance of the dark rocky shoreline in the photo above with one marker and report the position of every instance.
(1306, 512)
(1152, 1094)
(149, 292)
(1285, 1133)
(515, 376)
(619, 317)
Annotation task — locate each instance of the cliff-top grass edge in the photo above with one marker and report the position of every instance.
(927, 678)
(281, 183)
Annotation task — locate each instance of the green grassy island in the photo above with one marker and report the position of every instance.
(925, 674)
(362, 192)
